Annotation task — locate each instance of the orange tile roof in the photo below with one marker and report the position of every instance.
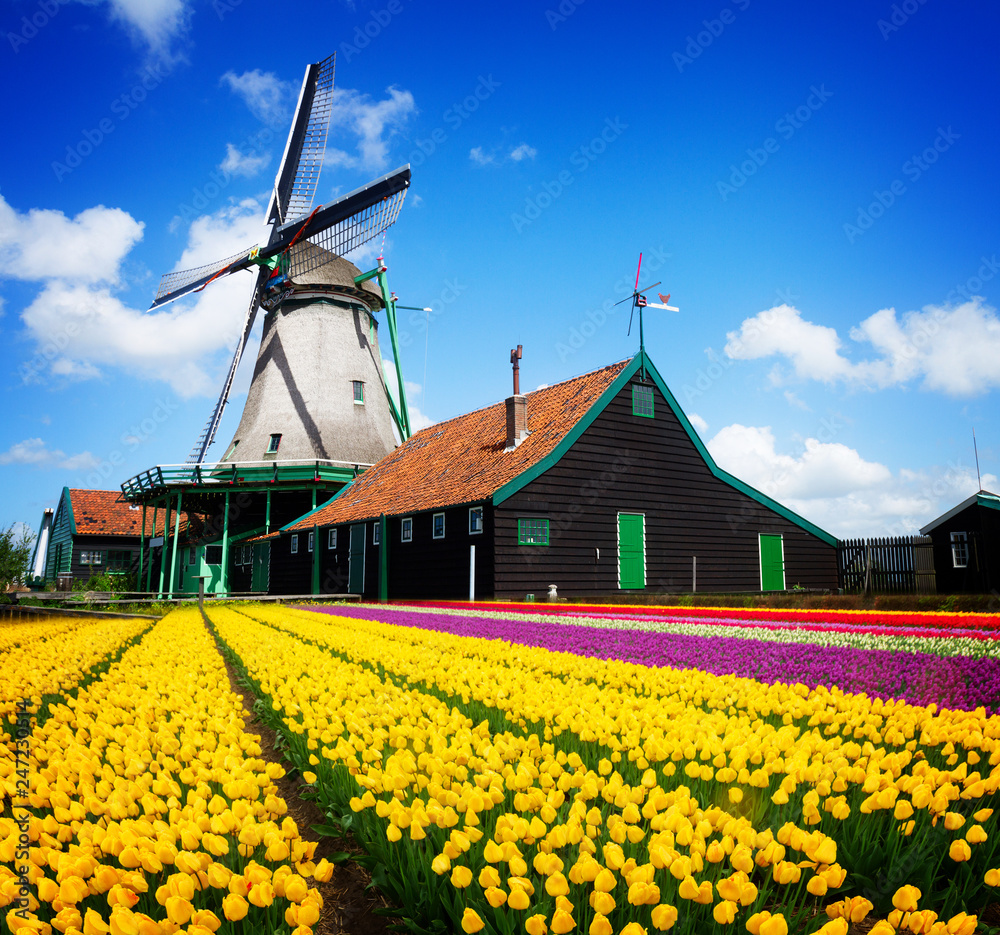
(104, 513)
(463, 460)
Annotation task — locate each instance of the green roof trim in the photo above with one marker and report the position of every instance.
(988, 501)
(522, 480)
(69, 506)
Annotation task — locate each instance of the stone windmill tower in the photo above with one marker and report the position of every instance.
(319, 391)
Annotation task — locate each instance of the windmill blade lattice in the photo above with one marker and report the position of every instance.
(298, 176)
(174, 285)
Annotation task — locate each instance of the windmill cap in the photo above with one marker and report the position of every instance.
(331, 270)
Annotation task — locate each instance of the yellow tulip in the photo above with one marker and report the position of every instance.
(600, 926)
(605, 881)
(93, 924)
(261, 894)
(775, 925)
(556, 885)
(906, 898)
(461, 877)
(633, 928)
(664, 917)
(992, 877)
(495, 896)
(840, 927)
(518, 899)
(234, 907)
(724, 912)
(959, 850)
(976, 834)
(535, 925)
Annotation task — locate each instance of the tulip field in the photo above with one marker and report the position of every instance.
(508, 769)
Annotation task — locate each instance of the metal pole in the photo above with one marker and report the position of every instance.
(163, 546)
(173, 548)
(224, 576)
(694, 574)
(267, 512)
(472, 573)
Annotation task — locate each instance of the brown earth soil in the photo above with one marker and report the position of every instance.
(348, 900)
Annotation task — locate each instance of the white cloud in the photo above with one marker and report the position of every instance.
(34, 452)
(700, 425)
(92, 328)
(374, 123)
(155, 23)
(834, 487)
(416, 201)
(45, 244)
(271, 100)
(237, 163)
(951, 349)
(524, 151)
(481, 158)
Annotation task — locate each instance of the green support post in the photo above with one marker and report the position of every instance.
(173, 547)
(267, 512)
(163, 547)
(383, 560)
(224, 577)
(142, 548)
(315, 557)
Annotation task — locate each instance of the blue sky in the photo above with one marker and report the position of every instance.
(815, 185)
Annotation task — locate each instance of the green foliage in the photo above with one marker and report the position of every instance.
(15, 556)
(105, 582)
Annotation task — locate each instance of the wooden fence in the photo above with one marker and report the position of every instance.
(894, 565)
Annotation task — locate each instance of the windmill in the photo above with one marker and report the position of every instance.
(319, 390)
(639, 301)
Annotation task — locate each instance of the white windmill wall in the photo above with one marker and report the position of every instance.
(318, 341)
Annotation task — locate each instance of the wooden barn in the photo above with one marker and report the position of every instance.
(598, 485)
(967, 546)
(94, 532)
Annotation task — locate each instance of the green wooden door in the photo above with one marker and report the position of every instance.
(356, 568)
(631, 550)
(772, 563)
(261, 566)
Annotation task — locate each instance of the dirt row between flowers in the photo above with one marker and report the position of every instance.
(349, 901)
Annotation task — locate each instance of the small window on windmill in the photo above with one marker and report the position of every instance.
(331, 540)
(359, 392)
(272, 445)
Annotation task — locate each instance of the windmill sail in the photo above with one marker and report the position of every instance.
(298, 175)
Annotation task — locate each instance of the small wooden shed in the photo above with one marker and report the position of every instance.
(967, 546)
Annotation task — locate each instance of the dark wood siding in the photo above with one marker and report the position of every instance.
(982, 574)
(425, 567)
(628, 463)
(291, 573)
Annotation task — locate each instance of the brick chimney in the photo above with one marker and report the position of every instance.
(517, 407)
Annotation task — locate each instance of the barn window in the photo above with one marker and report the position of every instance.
(642, 400)
(359, 392)
(310, 541)
(213, 554)
(331, 539)
(475, 520)
(92, 558)
(191, 555)
(119, 560)
(406, 529)
(272, 445)
(959, 550)
(295, 543)
(437, 526)
(532, 531)
(376, 533)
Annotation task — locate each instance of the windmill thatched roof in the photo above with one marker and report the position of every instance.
(334, 271)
